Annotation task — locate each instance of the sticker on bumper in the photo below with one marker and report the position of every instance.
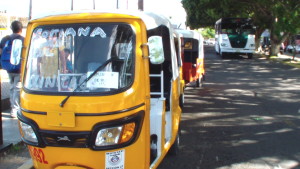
(115, 160)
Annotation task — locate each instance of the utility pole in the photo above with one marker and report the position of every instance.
(71, 5)
(30, 10)
(94, 4)
(141, 5)
(122, 4)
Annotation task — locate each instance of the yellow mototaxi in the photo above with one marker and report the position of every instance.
(99, 90)
(179, 47)
(192, 57)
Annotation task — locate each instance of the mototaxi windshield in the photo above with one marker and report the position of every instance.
(62, 57)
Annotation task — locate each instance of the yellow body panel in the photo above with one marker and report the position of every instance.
(51, 157)
(176, 116)
(182, 82)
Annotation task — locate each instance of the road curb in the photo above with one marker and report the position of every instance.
(27, 165)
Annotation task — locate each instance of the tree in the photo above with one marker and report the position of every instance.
(281, 17)
(204, 13)
(286, 22)
(208, 33)
(293, 44)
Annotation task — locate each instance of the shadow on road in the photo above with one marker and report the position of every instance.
(245, 116)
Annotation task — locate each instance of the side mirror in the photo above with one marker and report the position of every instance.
(16, 49)
(156, 50)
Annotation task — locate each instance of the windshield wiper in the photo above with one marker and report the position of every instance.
(87, 79)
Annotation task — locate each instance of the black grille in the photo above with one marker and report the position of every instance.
(65, 139)
(238, 40)
(238, 44)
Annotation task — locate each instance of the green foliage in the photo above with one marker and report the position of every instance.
(204, 13)
(292, 63)
(208, 33)
(281, 17)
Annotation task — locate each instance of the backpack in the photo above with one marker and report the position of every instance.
(5, 58)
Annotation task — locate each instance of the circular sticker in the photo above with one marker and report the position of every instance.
(114, 160)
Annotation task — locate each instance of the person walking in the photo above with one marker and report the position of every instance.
(13, 73)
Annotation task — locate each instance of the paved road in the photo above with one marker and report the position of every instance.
(246, 116)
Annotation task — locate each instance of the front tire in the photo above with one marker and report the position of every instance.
(219, 50)
(250, 55)
(199, 82)
(222, 55)
(174, 150)
(153, 148)
(181, 100)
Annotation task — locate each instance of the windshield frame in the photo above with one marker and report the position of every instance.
(80, 93)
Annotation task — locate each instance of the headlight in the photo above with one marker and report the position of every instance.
(224, 45)
(27, 132)
(115, 135)
(225, 39)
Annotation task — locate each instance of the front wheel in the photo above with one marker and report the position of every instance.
(174, 150)
(153, 148)
(250, 55)
(181, 100)
(222, 55)
(199, 82)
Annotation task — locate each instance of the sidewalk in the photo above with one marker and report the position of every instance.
(287, 55)
(10, 130)
(283, 58)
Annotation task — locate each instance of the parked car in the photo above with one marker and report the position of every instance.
(211, 41)
(291, 48)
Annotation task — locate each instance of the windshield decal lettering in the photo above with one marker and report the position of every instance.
(50, 82)
(34, 81)
(70, 31)
(84, 32)
(53, 32)
(69, 82)
(73, 83)
(45, 34)
(41, 82)
(98, 31)
(61, 33)
(65, 82)
(38, 82)
(39, 31)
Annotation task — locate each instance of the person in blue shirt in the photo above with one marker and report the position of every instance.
(14, 77)
(67, 67)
